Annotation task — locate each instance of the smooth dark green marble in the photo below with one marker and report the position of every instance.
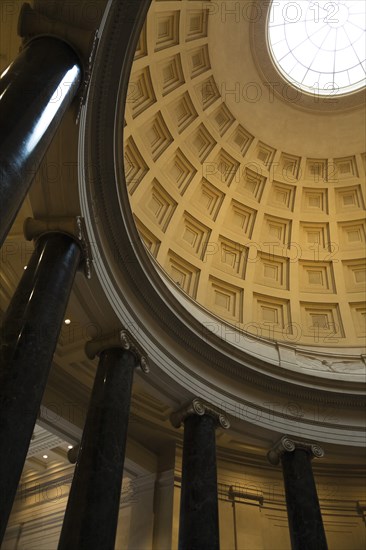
(92, 510)
(29, 336)
(31, 109)
(199, 517)
(304, 516)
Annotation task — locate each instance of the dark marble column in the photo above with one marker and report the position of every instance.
(199, 517)
(303, 510)
(92, 510)
(35, 93)
(29, 336)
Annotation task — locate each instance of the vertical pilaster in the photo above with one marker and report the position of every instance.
(142, 513)
(164, 507)
(199, 517)
(303, 510)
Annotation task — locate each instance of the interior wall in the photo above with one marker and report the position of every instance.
(252, 510)
(36, 519)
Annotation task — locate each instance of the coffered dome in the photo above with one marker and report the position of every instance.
(251, 202)
(224, 216)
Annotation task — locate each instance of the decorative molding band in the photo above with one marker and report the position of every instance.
(286, 444)
(118, 339)
(74, 227)
(235, 494)
(199, 407)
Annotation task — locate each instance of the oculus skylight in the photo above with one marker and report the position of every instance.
(319, 45)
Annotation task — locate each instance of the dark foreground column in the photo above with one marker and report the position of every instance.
(92, 510)
(303, 510)
(199, 517)
(28, 339)
(35, 92)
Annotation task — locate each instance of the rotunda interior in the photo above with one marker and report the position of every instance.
(225, 210)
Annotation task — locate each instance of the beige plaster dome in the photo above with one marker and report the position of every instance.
(236, 262)
(251, 201)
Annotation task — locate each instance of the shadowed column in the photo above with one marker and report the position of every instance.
(303, 510)
(35, 91)
(29, 336)
(199, 517)
(92, 510)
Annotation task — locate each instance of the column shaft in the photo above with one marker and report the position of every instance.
(29, 336)
(35, 92)
(305, 520)
(199, 518)
(92, 509)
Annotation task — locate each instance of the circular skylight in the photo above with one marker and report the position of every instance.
(320, 45)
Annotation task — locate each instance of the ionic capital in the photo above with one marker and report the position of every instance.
(199, 407)
(288, 445)
(119, 339)
(72, 226)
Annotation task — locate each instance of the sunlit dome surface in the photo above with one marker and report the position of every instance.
(320, 46)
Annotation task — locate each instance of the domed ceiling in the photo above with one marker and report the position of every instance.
(253, 206)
